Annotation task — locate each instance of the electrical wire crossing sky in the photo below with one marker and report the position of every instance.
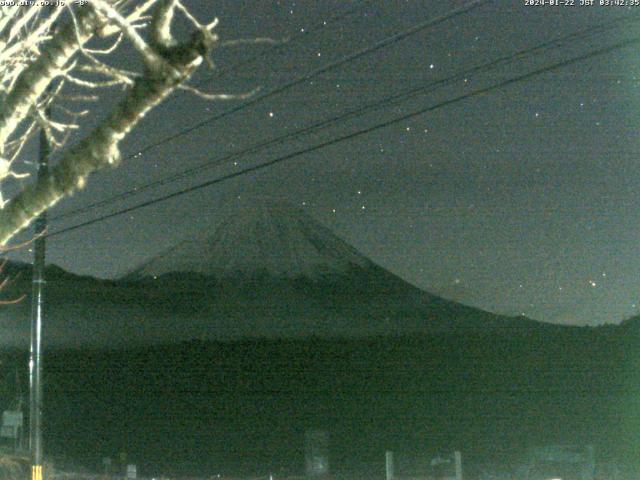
(483, 151)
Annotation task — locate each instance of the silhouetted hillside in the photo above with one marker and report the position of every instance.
(244, 405)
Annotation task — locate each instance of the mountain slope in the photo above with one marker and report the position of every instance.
(270, 271)
(263, 239)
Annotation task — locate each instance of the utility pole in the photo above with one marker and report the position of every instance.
(37, 305)
(458, 463)
(388, 461)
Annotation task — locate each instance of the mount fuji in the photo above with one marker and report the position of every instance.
(264, 239)
(268, 271)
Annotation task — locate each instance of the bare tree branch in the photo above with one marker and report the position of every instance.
(42, 61)
(151, 58)
(99, 149)
(35, 79)
(251, 41)
(218, 96)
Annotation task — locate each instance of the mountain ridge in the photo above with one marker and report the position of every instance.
(322, 287)
(275, 238)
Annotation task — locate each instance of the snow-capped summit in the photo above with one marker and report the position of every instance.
(262, 238)
(271, 271)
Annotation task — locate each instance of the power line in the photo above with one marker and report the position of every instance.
(396, 98)
(352, 135)
(314, 73)
(381, 44)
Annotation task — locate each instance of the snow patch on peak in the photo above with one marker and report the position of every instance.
(261, 238)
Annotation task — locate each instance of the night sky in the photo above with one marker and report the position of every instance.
(520, 200)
